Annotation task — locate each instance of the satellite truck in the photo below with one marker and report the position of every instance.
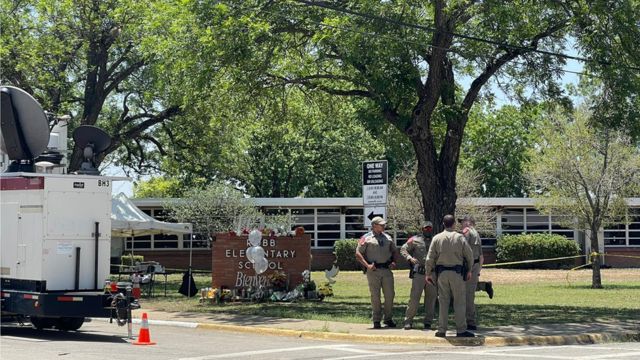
(55, 230)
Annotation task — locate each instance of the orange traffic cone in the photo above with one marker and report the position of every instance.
(143, 336)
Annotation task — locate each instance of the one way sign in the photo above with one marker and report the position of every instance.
(371, 212)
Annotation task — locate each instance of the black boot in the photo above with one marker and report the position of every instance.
(489, 289)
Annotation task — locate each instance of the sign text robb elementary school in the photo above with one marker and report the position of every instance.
(232, 269)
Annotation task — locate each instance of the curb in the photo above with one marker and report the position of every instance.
(494, 341)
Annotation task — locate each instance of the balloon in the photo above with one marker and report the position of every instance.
(258, 252)
(251, 254)
(254, 237)
(260, 265)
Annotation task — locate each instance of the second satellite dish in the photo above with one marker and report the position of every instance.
(92, 140)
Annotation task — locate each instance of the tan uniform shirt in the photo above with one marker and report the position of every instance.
(416, 247)
(473, 239)
(376, 248)
(448, 248)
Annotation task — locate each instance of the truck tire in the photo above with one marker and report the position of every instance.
(69, 323)
(41, 322)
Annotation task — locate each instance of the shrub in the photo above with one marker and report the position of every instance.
(129, 260)
(345, 252)
(536, 246)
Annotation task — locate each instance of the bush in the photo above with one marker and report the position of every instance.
(129, 260)
(536, 246)
(345, 252)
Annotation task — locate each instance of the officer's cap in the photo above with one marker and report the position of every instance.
(427, 224)
(378, 221)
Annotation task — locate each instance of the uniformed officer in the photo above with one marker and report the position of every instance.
(415, 252)
(377, 252)
(445, 259)
(473, 239)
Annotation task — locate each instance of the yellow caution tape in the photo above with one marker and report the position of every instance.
(591, 256)
(531, 261)
(576, 268)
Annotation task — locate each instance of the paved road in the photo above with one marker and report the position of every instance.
(100, 340)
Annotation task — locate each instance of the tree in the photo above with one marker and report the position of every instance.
(216, 208)
(290, 144)
(405, 207)
(404, 63)
(497, 144)
(157, 187)
(88, 58)
(586, 173)
(608, 31)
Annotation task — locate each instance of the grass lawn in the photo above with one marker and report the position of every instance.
(521, 297)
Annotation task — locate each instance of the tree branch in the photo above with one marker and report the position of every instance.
(497, 63)
(120, 76)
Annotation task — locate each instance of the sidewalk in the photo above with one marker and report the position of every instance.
(549, 334)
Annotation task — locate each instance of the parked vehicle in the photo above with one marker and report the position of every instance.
(55, 230)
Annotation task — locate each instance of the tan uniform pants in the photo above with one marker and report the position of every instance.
(471, 294)
(381, 279)
(418, 287)
(451, 285)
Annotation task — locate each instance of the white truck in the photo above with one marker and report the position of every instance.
(55, 229)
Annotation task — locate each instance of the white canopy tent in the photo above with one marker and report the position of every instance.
(128, 220)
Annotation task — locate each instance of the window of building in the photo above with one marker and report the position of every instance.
(616, 234)
(634, 226)
(138, 242)
(528, 220)
(512, 221)
(536, 222)
(625, 232)
(328, 227)
(354, 223)
(560, 226)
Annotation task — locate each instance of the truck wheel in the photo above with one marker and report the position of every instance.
(69, 323)
(41, 323)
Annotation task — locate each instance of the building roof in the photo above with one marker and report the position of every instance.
(357, 202)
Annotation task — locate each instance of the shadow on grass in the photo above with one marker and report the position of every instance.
(503, 315)
(357, 312)
(604, 287)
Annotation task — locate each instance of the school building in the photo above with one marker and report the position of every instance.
(329, 219)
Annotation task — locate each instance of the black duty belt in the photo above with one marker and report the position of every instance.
(384, 265)
(476, 261)
(456, 268)
(416, 269)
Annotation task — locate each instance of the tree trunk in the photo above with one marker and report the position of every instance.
(436, 180)
(596, 278)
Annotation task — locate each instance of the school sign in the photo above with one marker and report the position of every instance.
(232, 269)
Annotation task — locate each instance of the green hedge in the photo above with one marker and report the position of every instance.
(536, 246)
(345, 252)
(131, 260)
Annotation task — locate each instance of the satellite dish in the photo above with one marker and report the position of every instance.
(92, 140)
(24, 127)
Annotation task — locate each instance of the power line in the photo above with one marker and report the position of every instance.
(358, 31)
(324, 5)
